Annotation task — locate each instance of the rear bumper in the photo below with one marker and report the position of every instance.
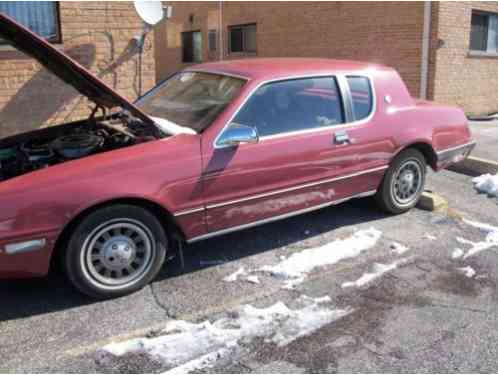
(27, 256)
(453, 155)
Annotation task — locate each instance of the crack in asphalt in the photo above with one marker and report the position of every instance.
(421, 268)
(159, 304)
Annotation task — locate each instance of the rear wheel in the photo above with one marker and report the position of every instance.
(403, 182)
(115, 250)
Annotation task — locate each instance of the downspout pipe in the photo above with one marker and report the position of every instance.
(220, 7)
(426, 37)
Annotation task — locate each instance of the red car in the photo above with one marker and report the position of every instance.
(216, 148)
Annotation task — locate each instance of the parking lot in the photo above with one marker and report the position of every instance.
(435, 310)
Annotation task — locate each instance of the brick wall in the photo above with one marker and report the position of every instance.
(389, 33)
(168, 41)
(98, 35)
(467, 81)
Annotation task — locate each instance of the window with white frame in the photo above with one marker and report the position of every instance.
(41, 17)
(484, 32)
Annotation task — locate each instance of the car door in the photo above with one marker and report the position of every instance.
(297, 164)
(365, 138)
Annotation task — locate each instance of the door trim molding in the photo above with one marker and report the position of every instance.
(280, 191)
(278, 217)
(298, 187)
(468, 144)
(188, 212)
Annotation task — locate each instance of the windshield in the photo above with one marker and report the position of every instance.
(191, 99)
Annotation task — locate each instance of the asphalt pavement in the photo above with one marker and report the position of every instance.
(486, 134)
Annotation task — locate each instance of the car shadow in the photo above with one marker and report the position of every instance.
(25, 298)
(234, 246)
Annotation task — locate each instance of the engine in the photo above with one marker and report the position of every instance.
(65, 144)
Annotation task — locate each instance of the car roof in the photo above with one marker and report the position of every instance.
(275, 68)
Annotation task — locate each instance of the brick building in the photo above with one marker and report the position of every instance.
(97, 34)
(445, 51)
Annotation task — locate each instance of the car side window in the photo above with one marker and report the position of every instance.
(293, 105)
(361, 95)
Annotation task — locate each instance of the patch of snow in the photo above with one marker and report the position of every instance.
(203, 362)
(233, 277)
(467, 271)
(172, 128)
(295, 268)
(487, 184)
(303, 322)
(490, 230)
(398, 248)
(430, 237)
(185, 346)
(252, 279)
(291, 284)
(119, 349)
(182, 342)
(464, 241)
(323, 299)
(378, 269)
(457, 253)
(490, 241)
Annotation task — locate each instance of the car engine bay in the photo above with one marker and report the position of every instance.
(47, 147)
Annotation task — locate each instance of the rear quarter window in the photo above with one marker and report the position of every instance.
(361, 96)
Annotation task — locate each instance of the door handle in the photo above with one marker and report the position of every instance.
(341, 138)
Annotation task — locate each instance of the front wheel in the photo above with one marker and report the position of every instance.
(115, 250)
(403, 182)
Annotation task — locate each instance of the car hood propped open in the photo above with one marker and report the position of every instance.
(65, 67)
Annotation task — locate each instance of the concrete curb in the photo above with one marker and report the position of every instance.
(430, 201)
(474, 166)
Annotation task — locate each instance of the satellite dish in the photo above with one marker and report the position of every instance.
(151, 12)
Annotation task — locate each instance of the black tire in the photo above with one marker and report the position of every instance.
(129, 236)
(388, 195)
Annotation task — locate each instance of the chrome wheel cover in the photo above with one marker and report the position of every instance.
(118, 254)
(407, 182)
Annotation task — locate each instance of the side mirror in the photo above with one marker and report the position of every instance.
(236, 134)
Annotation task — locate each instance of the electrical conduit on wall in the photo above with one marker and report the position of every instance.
(424, 69)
